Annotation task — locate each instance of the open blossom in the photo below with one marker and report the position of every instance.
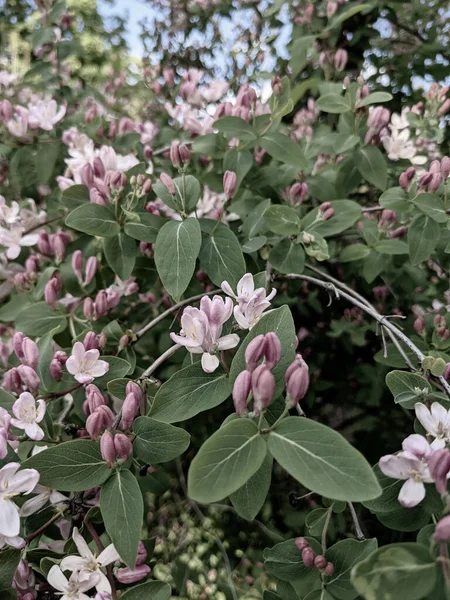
(9, 214)
(12, 483)
(73, 588)
(398, 146)
(27, 415)
(85, 365)
(43, 495)
(251, 303)
(18, 126)
(436, 422)
(202, 328)
(14, 239)
(409, 465)
(45, 114)
(87, 565)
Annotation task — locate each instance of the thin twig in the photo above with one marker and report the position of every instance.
(41, 529)
(358, 531)
(159, 361)
(325, 529)
(43, 224)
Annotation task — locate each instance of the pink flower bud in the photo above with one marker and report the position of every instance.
(6, 111)
(229, 184)
(301, 543)
(123, 446)
(58, 243)
(44, 244)
(29, 377)
(127, 575)
(419, 325)
(340, 59)
(308, 557)
(89, 309)
(263, 387)
(400, 232)
(113, 299)
(406, 178)
(297, 380)
(97, 198)
(51, 292)
(320, 562)
(442, 530)
(130, 409)
(90, 341)
(133, 388)
(168, 183)
(32, 264)
(77, 264)
(446, 374)
(175, 154)
(329, 569)
(185, 154)
(445, 107)
(94, 424)
(241, 390)
(326, 211)
(12, 381)
(30, 353)
(439, 466)
(98, 167)
(56, 369)
(142, 554)
(435, 182)
(95, 398)
(101, 304)
(87, 175)
(17, 344)
(254, 352)
(124, 341)
(148, 152)
(147, 187)
(445, 167)
(107, 448)
(272, 350)
(298, 193)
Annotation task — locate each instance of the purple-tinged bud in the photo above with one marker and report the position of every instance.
(30, 353)
(77, 264)
(6, 111)
(123, 446)
(102, 340)
(254, 352)
(439, 466)
(435, 167)
(95, 398)
(425, 179)
(406, 177)
(98, 167)
(107, 448)
(326, 211)
(90, 341)
(94, 424)
(58, 243)
(51, 292)
(17, 344)
(97, 198)
(297, 380)
(91, 269)
(301, 543)
(148, 152)
(263, 387)
(141, 555)
(435, 182)
(32, 264)
(175, 154)
(419, 325)
(185, 154)
(101, 304)
(387, 218)
(133, 388)
(87, 175)
(12, 381)
(44, 244)
(124, 341)
(442, 530)
(320, 562)
(272, 350)
(127, 575)
(446, 373)
(229, 184)
(89, 309)
(445, 107)
(298, 193)
(113, 299)
(130, 409)
(107, 415)
(329, 569)
(241, 390)
(445, 167)
(398, 233)
(277, 85)
(308, 557)
(56, 369)
(29, 377)
(147, 187)
(340, 59)
(168, 183)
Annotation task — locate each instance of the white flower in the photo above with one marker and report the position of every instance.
(87, 564)
(9, 214)
(45, 114)
(14, 541)
(72, 589)
(202, 328)
(399, 121)
(436, 422)
(251, 303)
(398, 146)
(28, 415)
(116, 162)
(13, 483)
(85, 365)
(44, 495)
(14, 239)
(18, 126)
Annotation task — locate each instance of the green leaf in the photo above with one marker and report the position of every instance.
(189, 392)
(238, 162)
(75, 196)
(282, 148)
(187, 192)
(249, 499)
(254, 244)
(372, 166)
(344, 555)
(374, 98)
(146, 230)
(94, 220)
(396, 571)
(432, 206)
(348, 14)
(402, 382)
(354, 252)
(118, 367)
(11, 309)
(40, 318)
(234, 127)
(333, 103)
(280, 322)
(315, 521)
(395, 199)
(152, 590)
(46, 157)
(388, 500)
(9, 561)
(287, 257)
(120, 252)
(423, 237)
(226, 461)
(122, 510)
(285, 562)
(346, 213)
(6, 400)
(158, 442)
(282, 220)
(176, 250)
(392, 247)
(72, 466)
(221, 256)
(322, 460)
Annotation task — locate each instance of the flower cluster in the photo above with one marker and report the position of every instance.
(251, 302)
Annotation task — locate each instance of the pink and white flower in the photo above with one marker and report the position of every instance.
(12, 483)
(45, 114)
(14, 239)
(72, 589)
(251, 303)
(85, 365)
(202, 328)
(436, 422)
(27, 415)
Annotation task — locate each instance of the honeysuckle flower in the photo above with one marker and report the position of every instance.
(14, 541)
(202, 328)
(12, 483)
(45, 114)
(27, 415)
(44, 495)
(14, 239)
(88, 564)
(436, 422)
(251, 303)
(398, 146)
(85, 365)
(116, 162)
(18, 126)
(73, 588)
(9, 214)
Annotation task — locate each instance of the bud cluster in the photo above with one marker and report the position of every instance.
(131, 405)
(100, 416)
(115, 448)
(311, 559)
(52, 289)
(90, 269)
(54, 245)
(24, 376)
(297, 380)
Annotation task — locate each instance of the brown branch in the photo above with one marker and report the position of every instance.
(43, 527)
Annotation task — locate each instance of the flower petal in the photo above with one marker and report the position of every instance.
(57, 579)
(245, 285)
(412, 493)
(73, 563)
(425, 418)
(80, 543)
(9, 518)
(228, 341)
(108, 556)
(393, 466)
(209, 362)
